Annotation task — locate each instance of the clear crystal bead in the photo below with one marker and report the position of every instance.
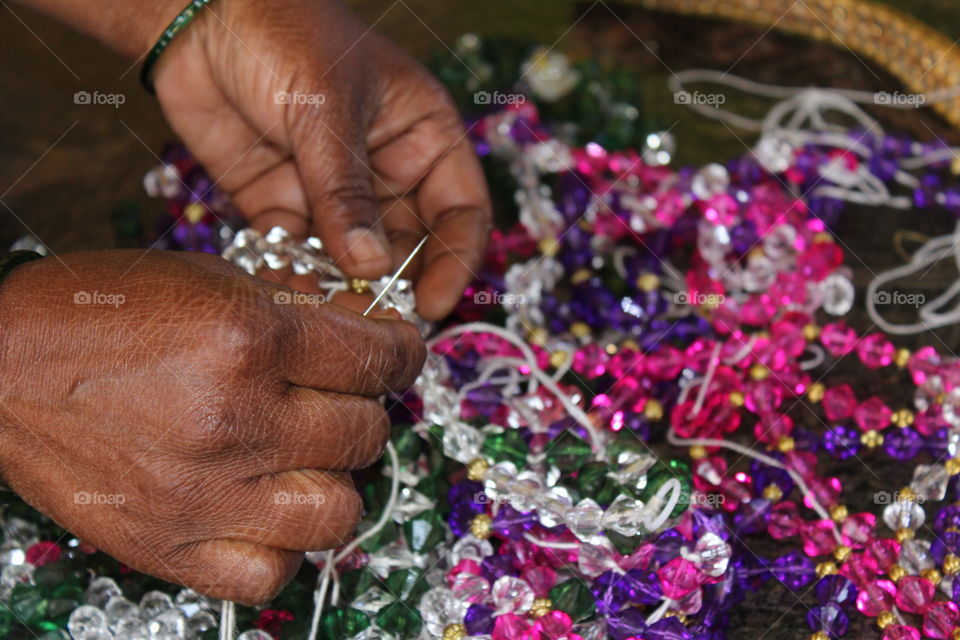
(594, 559)
(714, 554)
(511, 595)
(709, 181)
(774, 153)
(254, 634)
(837, 293)
(951, 407)
(953, 442)
(119, 609)
(623, 516)
(101, 590)
(632, 469)
(85, 621)
(21, 532)
(903, 514)
(14, 574)
(930, 481)
(498, 481)
(190, 602)
(470, 588)
(469, 548)
(130, 629)
(410, 503)
(438, 607)
(154, 603)
(372, 600)
(915, 556)
(169, 622)
(585, 520)
(200, 622)
(526, 488)
(552, 506)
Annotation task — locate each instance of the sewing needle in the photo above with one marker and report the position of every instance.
(396, 275)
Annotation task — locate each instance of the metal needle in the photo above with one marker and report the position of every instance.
(396, 275)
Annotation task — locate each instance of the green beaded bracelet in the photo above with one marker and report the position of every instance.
(14, 259)
(179, 23)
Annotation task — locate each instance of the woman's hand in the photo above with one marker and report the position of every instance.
(313, 122)
(194, 422)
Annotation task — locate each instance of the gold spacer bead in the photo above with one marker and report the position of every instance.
(951, 564)
(736, 398)
(815, 392)
(819, 635)
(454, 632)
(811, 332)
(773, 493)
(359, 285)
(955, 635)
(480, 526)
(648, 282)
(902, 535)
(541, 607)
(902, 418)
(558, 359)
(885, 619)
(932, 575)
(630, 344)
(653, 410)
(580, 329)
(842, 552)
(477, 469)
(871, 439)
(698, 452)
(822, 236)
(906, 495)
(759, 372)
(901, 357)
(896, 572)
(952, 466)
(838, 513)
(786, 444)
(538, 336)
(580, 275)
(549, 246)
(826, 569)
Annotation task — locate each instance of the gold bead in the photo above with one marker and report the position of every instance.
(896, 572)
(932, 575)
(785, 444)
(648, 282)
(819, 635)
(906, 495)
(759, 372)
(773, 493)
(454, 632)
(826, 569)
(538, 336)
(653, 410)
(902, 418)
(558, 359)
(811, 332)
(194, 212)
(838, 513)
(480, 526)
(956, 634)
(951, 564)
(698, 452)
(580, 275)
(631, 345)
(952, 466)
(871, 439)
(842, 552)
(477, 468)
(815, 392)
(541, 607)
(736, 398)
(580, 329)
(901, 357)
(902, 535)
(549, 246)
(359, 285)
(822, 237)
(885, 619)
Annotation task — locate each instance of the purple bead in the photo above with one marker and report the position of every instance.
(947, 517)
(629, 623)
(752, 517)
(835, 588)
(640, 586)
(829, 618)
(794, 569)
(668, 629)
(902, 444)
(947, 542)
(764, 476)
(952, 200)
(883, 167)
(510, 523)
(478, 620)
(610, 599)
(667, 546)
(923, 198)
(705, 522)
(841, 442)
(495, 567)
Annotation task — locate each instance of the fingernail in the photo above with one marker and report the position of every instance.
(364, 247)
(386, 314)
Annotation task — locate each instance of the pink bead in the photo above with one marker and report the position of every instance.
(922, 364)
(940, 619)
(856, 570)
(838, 339)
(803, 462)
(900, 632)
(856, 530)
(509, 626)
(818, 538)
(884, 553)
(763, 396)
(875, 597)
(784, 521)
(825, 490)
(772, 426)
(678, 578)
(555, 625)
(839, 403)
(872, 414)
(540, 579)
(876, 351)
(914, 593)
(41, 553)
(820, 260)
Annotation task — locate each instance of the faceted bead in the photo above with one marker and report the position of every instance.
(900, 632)
(829, 618)
(511, 594)
(678, 578)
(510, 626)
(875, 597)
(884, 552)
(838, 339)
(624, 516)
(714, 554)
(794, 570)
(841, 442)
(101, 590)
(574, 597)
(399, 619)
(930, 481)
(784, 521)
(439, 607)
(915, 556)
(153, 603)
(478, 620)
(555, 625)
(585, 520)
(540, 579)
(876, 351)
(86, 620)
(839, 402)
(818, 539)
(470, 588)
(857, 529)
(835, 588)
(872, 414)
(628, 623)
(940, 619)
(914, 593)
(553, 506)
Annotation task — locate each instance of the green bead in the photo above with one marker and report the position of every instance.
(592, 482)
(507, 446)
(386, 535)
(407, 584)
(27, 604)
(659, 474)
(568, 453)
(330, 623)
(353, 621)
(425, 532)
(574, 598)
(356, 582)
(399, 619)
(407, 442)
(625, 545)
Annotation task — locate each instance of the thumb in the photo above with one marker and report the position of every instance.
(331, 157)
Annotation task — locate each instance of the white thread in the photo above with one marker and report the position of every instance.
(227, 621)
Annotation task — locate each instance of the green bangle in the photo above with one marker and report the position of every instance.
(14, 259)
(179, 23)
